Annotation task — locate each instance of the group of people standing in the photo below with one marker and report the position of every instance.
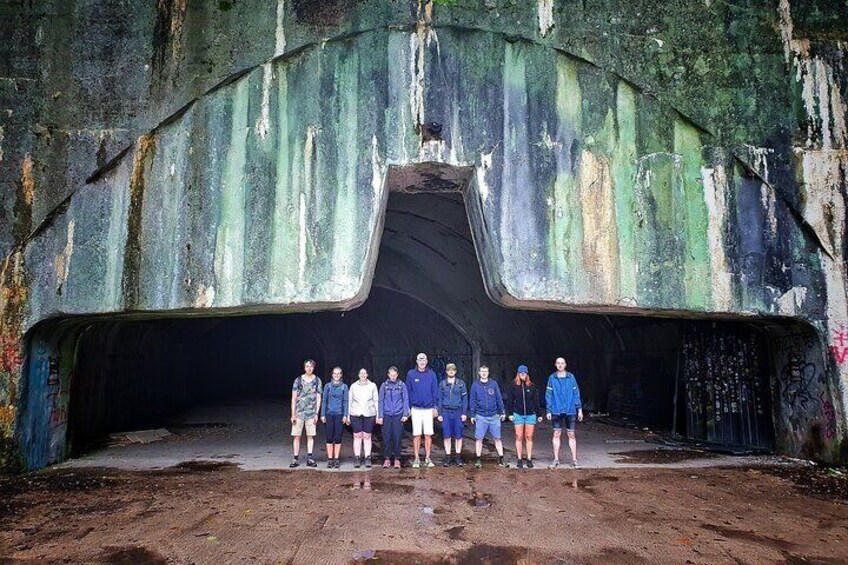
(423, 399)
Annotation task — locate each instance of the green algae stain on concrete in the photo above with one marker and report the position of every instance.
(229, 244)
(696, 258)
(283, 251)
(566, 228)
(624, 176)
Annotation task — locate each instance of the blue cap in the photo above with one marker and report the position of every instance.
(522, 368)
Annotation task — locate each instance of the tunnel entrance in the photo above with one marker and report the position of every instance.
(714, 381)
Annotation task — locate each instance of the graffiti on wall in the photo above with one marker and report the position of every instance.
(10, 356)
(57, 395)
(839, 344)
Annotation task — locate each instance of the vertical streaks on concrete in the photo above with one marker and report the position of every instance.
(22, 211)
(696, 259)
(281, 256)
(624, 177)
(229, 244)
(600, 238)
(715, 192)
(145, 149)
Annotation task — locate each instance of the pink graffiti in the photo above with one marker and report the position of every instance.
(839, 344)
(829, 416)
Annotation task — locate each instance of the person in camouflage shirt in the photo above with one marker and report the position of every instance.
(305, 407)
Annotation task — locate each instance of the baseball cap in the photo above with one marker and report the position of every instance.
(522, 369)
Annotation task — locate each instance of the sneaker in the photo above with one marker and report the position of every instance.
(575, 464)
(338, 464)
(502, 463)
(530, 464)
(397, 463)
(311, 462)
(368, 463)
(520, 464)
(429, 462)
(416, 464)
(446, 462)
(294, 464)
(459, 462)
(554, 464)
(478, 463)
(331, 464)
(387, 463)
(357, 462)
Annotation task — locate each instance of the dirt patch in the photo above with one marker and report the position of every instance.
(133, 555)
(204, 466)
(749, 536)
(661, 456)
(456, 532)
(821, 482)
(479, 553)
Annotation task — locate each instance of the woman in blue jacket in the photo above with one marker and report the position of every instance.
(392, 412)
(334, 414)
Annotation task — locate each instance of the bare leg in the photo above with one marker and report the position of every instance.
(416, 446)
(519, 440)
(556, 442)
(357, 439)
(447, 446)
(499, 447)
(458, 446)
(330, 447)
(366, 444)
(428, 445)
(572, 443)
(528, 439)
(296, 446)
(310, 443)
(479, 446)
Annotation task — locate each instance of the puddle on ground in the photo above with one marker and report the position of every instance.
(480, 500)
(479, 553)
(456, 533)
(661, 456)
(133, 555)
(203, 466)
(362, 484)
(393, 488)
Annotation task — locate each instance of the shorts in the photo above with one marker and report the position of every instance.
(519, 420)
(422, 421)
(569, 421)
(487, 423)
(362, 424)
(452, 424)
(334, 428)
(300, 423)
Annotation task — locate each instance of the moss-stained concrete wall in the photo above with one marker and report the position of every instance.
(231, 157)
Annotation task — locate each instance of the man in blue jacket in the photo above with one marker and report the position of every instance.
(423, 388)
(453, 407)
(487, 412)
(562, 397)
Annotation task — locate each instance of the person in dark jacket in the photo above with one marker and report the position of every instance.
(453, 407)
(525, 410)
(334, 414)
(487, 412)
(565, 409)
(392, 412)
(423, 388)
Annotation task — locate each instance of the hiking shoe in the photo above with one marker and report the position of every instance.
(502, 463)
(429, 462)
(368, 463)
(530, 464)
(416, 464)
(459, 462)
(387, 463)
(294, 464)
(575, 464)
(397, 463)
(311, 462)
(357, 462)
(554, 464)
(520, 464)
(478, 463)
(446, 462)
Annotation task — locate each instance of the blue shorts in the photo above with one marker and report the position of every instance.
(484, 423)
(519, 420)
(452, 424)
(569, 421)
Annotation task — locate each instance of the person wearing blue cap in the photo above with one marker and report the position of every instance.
(525, 410)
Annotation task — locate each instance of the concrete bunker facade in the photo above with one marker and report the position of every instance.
(265, 189)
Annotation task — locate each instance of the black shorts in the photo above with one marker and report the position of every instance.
(567, 421)
(334, 428)
(362, 424)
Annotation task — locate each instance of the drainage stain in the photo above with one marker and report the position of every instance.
(203, 466)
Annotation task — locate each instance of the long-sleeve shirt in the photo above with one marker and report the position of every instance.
(423, 388)
(363, 399)
(394, 399)
(486, 399)
(335, 399)
(562, 395)
(453, 396)
(523, 400)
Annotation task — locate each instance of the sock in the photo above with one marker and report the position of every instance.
(309, 455)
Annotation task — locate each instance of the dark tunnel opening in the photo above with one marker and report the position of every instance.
(708, 380)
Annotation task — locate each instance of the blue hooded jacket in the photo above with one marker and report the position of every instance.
(335, 400)
(563, 395)
(394, 399)
(486, 399)
(453, 396)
